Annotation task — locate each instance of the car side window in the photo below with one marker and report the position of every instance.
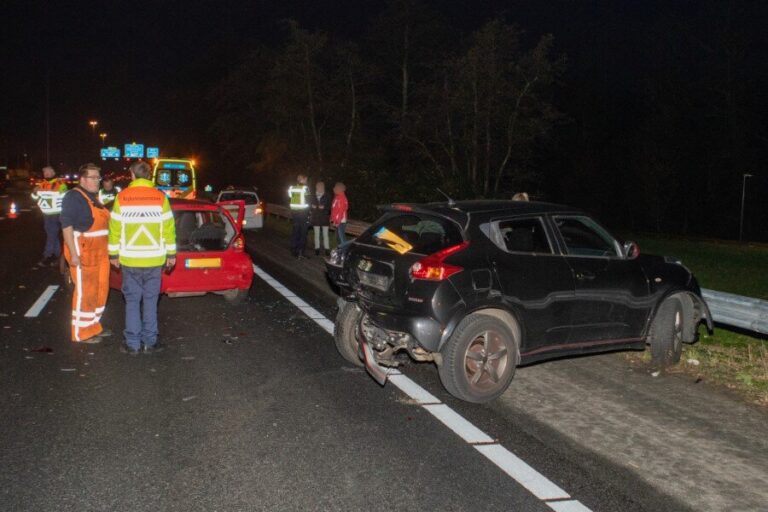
(584, 237)
(523, 235)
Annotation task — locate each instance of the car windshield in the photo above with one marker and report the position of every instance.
(202, 230)
(237, 195)
(423, 234)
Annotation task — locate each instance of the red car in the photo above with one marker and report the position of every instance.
(211, 254)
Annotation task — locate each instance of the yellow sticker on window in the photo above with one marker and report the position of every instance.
(393, 241)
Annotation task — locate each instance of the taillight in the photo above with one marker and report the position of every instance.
(434, 268)
(239, 243)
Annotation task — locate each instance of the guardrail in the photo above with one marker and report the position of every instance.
(726, 308)
(737, 310)
(354, 227)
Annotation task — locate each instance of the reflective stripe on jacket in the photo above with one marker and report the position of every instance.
(141, 227)
(298, 195)
(107, 197)
(49, 195)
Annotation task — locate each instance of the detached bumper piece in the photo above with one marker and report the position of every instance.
(378, 372)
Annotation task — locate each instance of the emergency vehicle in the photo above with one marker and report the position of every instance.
(177, 178)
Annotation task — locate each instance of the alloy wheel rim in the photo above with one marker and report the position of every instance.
(486, 360)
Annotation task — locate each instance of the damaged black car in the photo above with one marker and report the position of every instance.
(481, 287)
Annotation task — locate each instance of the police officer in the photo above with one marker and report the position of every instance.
(84, 222)
(299, 215)
(48, 193)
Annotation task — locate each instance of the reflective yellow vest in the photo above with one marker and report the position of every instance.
(141, 228)
(49, 195)
(298, 195)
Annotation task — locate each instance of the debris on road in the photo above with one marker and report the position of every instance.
(693, 362)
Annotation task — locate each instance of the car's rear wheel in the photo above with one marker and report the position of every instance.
(479, 359)
(345, 332)
(666, 336)
(236, 296)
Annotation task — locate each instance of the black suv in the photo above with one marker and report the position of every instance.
(480, 287)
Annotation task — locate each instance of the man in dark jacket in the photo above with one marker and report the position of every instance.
(320, 216)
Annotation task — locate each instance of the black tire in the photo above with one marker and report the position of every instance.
(666, 336)
(235, 296)
(479, 359)
(345, 332)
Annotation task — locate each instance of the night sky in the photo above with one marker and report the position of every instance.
(146, 71)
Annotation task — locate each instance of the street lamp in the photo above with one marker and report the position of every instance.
(103, 136)
(93, 125)
(743, 195)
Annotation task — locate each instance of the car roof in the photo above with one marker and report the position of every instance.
(462, 211)
(238, 190)
(192, 204)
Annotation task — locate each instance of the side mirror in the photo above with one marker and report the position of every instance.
(631, 250)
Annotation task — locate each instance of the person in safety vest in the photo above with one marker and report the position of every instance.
(84, 222)
(108, 191)
(48, 193)
(299, 215)
(142, 239)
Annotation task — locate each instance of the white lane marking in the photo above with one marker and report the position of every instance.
(413, 390)
(525, 475)
(456, 422)
(536, 483)
(41, 301)
(567, 506)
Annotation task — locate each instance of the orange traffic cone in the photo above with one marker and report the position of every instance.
(12, 211)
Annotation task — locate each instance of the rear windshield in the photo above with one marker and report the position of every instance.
(248, 197)
(417, 233)
(202, 230)
(174, 177)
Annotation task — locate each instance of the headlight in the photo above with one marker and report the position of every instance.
(336, 258)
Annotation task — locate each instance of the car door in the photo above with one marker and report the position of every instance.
(611, 291)
(534, 278)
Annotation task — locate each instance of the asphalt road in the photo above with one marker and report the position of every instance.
(250, 408)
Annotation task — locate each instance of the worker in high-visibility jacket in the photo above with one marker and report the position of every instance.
(299, 204)
(85, 224)
(48, 193)
(108, 191)
(142, 240)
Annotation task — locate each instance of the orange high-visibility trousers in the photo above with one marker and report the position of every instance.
(91, 277)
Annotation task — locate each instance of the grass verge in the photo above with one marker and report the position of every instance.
(729, 359)
(718, 265)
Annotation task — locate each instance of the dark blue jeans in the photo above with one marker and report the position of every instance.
(141, 289)
(52, 236)
(299, 233)
(340, 237)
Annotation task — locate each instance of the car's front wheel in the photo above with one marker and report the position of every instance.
(345, 332)
(666, 336)
(479, 359)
